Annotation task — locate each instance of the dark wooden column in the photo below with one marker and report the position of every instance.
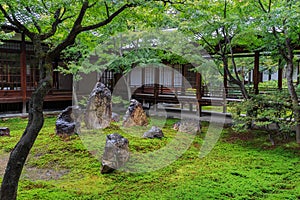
(279, 75)
(198, 86)
(143, 80)
(156, 86)
(198, 92)
(183, 69)
(225, 83)
(23, 73)
(55, 75)
(256, 76)
(269, 74)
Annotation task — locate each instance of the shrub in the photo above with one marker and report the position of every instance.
(272, 113)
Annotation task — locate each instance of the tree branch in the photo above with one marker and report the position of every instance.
(262, 6)
(44, 4)
(107, 9)
(54, 25)
(37, 26)
(208, 44)
(77, 28)
(269, 7)
(108, 20)
(13, 20)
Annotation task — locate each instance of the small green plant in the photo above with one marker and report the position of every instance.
(273, 84)
(272, 113)
(83, 102)
(120, 100)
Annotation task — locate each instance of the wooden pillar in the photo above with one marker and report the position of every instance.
(198, 86)
(143, 80)
(156, 86)
(279, 75)
(183, 68)
(23, 73)
(55, 75)
(256, 72)
(269, 74)
(225, 90)
(198, 91)
(225, 83)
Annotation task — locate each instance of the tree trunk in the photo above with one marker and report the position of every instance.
(20, 152)
(244, 91)
(294, 96)
(233, 80)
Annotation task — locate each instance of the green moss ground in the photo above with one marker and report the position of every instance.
(241, 166)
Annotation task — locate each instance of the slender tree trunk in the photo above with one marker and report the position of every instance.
(294, 97)
(235, 81)
(127, 83)
(20, 152)
(244, 91)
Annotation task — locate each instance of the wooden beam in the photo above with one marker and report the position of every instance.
(23, 73)
(256, 72)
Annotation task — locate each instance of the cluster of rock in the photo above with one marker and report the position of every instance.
(99, 115)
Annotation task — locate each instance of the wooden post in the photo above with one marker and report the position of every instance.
(198, 86)
(55, 75)
(279, 75)
(183, 67)
(23, 73)
(198, 91)
(256, 72)
(225, 79)
(143, 80)
(156, 86)
(269, 75)
(225, 92)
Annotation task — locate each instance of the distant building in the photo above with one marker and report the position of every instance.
(19, 77)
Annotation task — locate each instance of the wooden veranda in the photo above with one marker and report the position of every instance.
(19, 76)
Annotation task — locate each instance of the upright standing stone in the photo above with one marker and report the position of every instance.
(65, 123)
(99, 108)
(135, 115)
(116, 153)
